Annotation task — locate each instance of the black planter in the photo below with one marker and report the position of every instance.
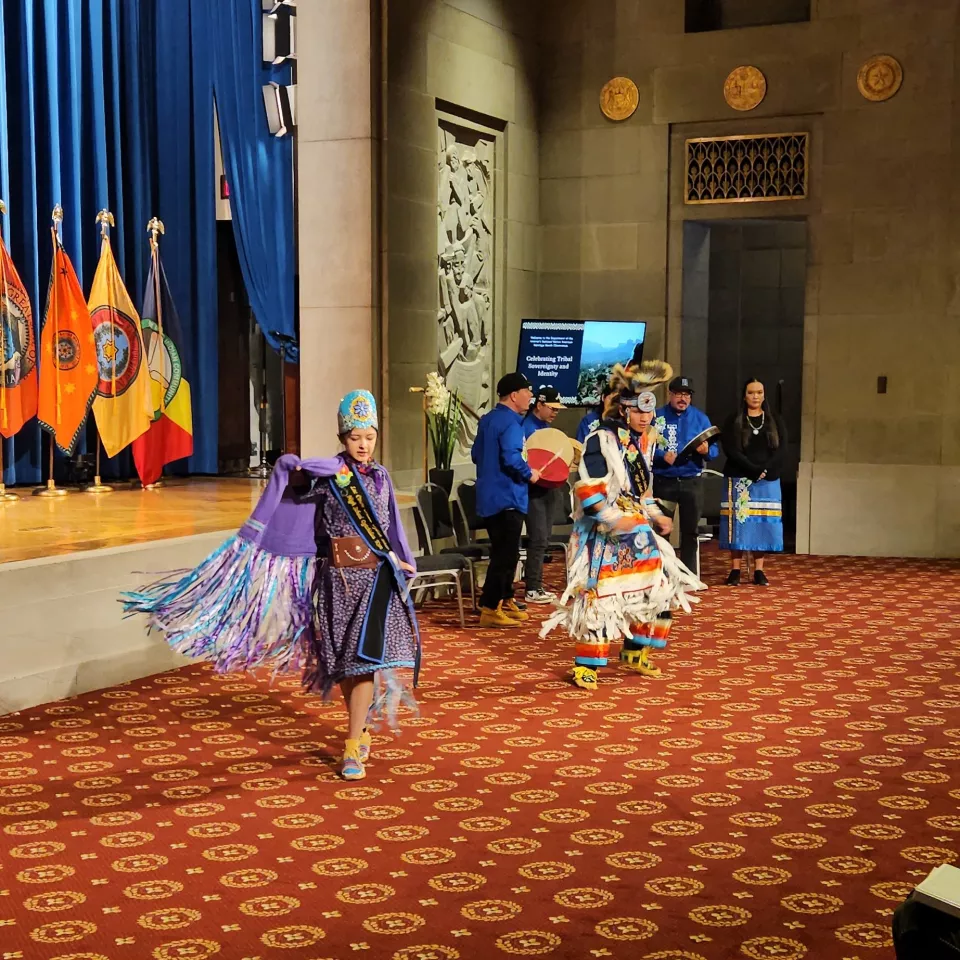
(442, 478)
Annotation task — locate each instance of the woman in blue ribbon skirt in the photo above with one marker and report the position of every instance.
(754, 440)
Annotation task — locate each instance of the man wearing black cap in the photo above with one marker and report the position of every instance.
(503, 477)
(677, 479)
(543, 501)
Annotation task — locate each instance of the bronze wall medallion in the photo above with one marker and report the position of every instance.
(880, 77)
(619, 98)
(745, 88)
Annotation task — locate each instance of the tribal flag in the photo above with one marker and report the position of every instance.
(124, 405)
(170, 436)
(68, 359)
(18, 376)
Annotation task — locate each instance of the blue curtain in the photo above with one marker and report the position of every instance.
(110, 103)
(259, 167)
(181, 119)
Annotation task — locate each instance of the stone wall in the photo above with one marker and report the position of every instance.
(881, 275)
(470, 64)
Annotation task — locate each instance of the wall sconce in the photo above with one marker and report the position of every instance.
(281, 105)
(279, 31)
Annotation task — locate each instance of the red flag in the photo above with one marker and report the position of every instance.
(170, 436)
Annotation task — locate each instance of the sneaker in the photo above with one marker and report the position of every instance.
(733, 578)
(512, 609)
(352, 767)
(496, 618)
(540, 596)
(366, 744)
(760, 579)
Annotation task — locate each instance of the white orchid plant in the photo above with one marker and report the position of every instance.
(444, 413)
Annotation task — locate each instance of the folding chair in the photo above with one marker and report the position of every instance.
(440, 525)
(437, 570)
(467, 503)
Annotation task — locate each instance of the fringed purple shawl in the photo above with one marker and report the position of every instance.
(250, 603)
(284, 527)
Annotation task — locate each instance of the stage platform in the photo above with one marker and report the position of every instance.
(64, 563)
(40, 527)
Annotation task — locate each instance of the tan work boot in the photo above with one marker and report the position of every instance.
(511, 609)
(495, 618)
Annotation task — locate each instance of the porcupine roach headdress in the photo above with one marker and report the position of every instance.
(629, 381)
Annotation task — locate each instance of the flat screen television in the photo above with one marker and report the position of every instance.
(576, 356)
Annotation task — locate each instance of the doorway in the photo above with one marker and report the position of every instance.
(743, 307)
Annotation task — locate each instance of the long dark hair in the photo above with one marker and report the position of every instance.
(742, 428)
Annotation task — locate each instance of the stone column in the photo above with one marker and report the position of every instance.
(338, 67)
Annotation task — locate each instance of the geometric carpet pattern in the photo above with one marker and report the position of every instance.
(772, 797)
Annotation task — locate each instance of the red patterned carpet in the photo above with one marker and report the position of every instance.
(774, 796)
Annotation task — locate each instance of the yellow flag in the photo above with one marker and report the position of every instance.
(123, 406)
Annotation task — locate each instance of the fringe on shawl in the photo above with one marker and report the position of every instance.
(240, 609)
(590, 617)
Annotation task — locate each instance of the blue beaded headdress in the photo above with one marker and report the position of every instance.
(358, 411)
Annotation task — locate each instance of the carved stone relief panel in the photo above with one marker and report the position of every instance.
(465, 268)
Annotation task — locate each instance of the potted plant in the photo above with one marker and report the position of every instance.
(444, 411)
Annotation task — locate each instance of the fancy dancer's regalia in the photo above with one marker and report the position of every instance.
(315, 582)
(623, 579)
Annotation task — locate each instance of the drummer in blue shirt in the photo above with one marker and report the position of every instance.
(676, 472)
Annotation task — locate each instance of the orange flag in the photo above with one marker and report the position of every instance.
(68, 356)
(18, 377)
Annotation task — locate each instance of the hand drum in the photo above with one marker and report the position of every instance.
(691, 447)
(551, 452)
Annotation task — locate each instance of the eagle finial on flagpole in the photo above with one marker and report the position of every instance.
(105, 219)
(155, 228)
(57, 217)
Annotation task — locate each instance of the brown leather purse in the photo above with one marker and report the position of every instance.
(348, 552)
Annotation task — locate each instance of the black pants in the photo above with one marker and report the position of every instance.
(687, 494)
(922, 933)
(504, 529)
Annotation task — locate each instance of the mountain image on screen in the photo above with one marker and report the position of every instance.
(596, 364)
(597, 353)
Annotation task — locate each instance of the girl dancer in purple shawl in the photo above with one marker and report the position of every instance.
(314, 581)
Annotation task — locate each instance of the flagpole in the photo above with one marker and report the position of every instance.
(105, 219)
(51, 489)
(262, 470)
(155, 229)
(5, 497)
